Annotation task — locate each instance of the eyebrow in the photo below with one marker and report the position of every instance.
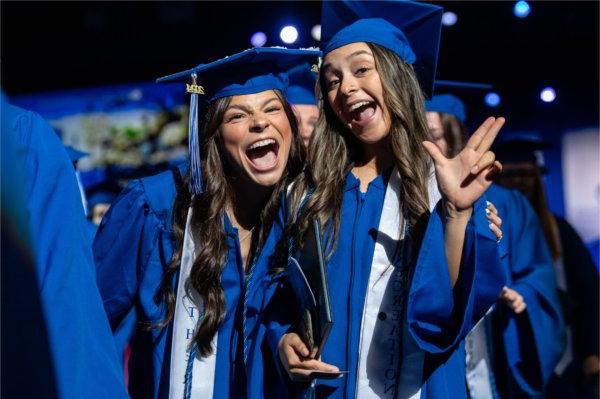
(354, 54)
(248, 109)
(359, 52)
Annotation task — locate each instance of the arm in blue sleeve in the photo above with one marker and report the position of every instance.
(122, 248)
(438, 315)
(531, 274)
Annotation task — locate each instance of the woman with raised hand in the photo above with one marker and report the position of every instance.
(514, 350)
(190, 256)
(406, 285)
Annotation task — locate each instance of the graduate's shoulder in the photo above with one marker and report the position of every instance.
(13, 115)
(158, 192)
(142, 211)
(33, 134)
(502, 196)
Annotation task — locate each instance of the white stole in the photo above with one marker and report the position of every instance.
(478, 361)
(187, 311)
(381, 372)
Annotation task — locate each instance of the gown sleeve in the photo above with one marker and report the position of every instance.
(534, 340)
(440, 316)
(122, 249)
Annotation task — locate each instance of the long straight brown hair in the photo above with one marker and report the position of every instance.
(207, 222)
(333, 150)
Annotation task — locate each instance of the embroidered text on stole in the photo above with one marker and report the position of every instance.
(187, 311)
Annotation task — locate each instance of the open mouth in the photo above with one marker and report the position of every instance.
(263, 154)
(362, 112)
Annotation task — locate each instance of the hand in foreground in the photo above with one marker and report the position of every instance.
(464, 178)
(513, 300)
(495, 221)
(295, 357)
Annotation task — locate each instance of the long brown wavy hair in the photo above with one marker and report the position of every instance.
(455, 133)
(333, 150)
(207, 222)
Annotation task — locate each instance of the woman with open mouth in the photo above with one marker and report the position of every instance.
(412, 263)
(188, 257)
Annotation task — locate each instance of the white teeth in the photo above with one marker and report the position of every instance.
(356, 106)
(262, 143)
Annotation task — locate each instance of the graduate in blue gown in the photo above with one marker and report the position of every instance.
(409, 275)
(301, 94)
(577, 373)
(187, 254)
(81, 348)
(513, 351)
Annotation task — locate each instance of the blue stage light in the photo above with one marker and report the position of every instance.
(289, 34)
(258, 39)
(548, 94)
(449, 18)
(521, 9)
(492, 99)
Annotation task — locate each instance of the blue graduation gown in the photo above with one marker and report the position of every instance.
(24, 335)
(132, 249)
(526, 347)
(81, 346)
(438, 317)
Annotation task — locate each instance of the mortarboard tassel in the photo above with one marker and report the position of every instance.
(195, 185)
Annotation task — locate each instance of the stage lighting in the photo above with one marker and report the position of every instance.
(289, 34)
(449, 18)
(258, 39)
(548, 95)
(521, 9)
(492, 99)
(315, 32)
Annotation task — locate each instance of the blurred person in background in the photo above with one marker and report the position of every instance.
(512, 352)
(301, 94)
(577, 373)
(100, 197)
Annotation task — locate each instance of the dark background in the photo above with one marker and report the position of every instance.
(50, 46)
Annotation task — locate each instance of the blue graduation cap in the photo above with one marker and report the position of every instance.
(249, 72)
(449, 103)
(301, 88)
(521, 147)
(103, 192)
(101, 197)
(75, 155)
(409, 29)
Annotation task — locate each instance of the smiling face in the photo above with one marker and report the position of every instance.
(355, 93)
(257, 136)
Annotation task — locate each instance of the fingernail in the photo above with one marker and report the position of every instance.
(491, 225)
(488, 203)
(487, 211)
(474, 169)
